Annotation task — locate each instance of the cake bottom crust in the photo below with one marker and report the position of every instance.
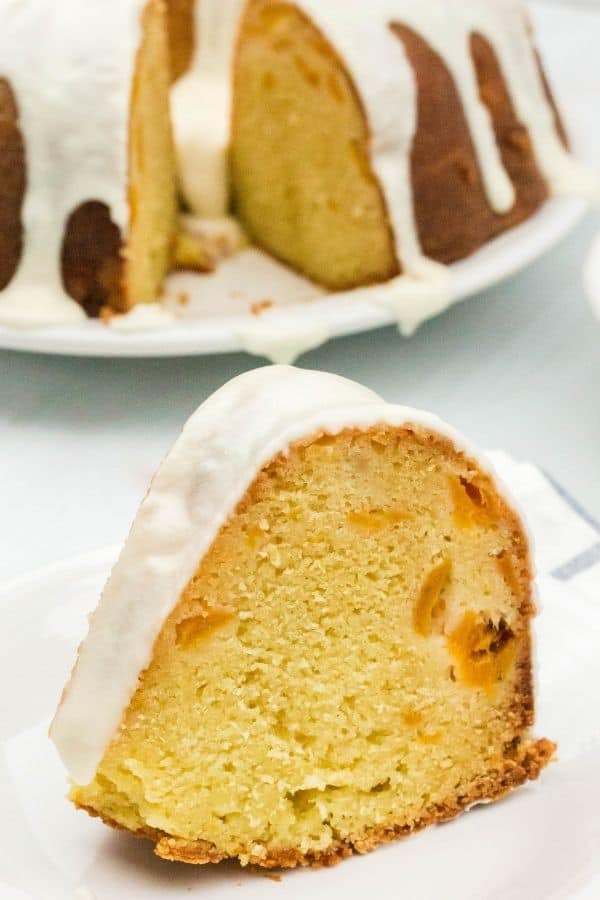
(524, 764)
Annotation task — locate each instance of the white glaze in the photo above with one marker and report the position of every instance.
(201, 109)
(280, 344)
(411, 300)
(70, 65)
(143, 317)
(218, 455)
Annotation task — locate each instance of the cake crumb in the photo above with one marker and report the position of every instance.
(106, 314)
(194, 253)
(260, 307)
(272, 877)
(183, 298)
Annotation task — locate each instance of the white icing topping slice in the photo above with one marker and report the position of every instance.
(215, 460)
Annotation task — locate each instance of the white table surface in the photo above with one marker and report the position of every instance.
(517, 368)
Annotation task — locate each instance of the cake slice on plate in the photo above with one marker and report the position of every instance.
(316, 638)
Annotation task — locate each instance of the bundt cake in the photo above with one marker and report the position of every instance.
(361, 144)
(88, 196)
(316, 638)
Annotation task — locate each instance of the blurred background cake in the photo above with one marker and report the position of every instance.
(360, 144)
(316, 638)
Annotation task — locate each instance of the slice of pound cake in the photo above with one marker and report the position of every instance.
(316, 638)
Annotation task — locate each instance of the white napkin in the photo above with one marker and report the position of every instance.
(567, 539)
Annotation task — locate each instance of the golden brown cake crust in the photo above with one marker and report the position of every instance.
(521, 764)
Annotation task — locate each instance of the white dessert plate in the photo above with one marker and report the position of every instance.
(539, 844)
(222, 313)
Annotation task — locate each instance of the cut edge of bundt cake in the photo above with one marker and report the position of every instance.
(152, 190)
(348, 661)
(316, 204)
